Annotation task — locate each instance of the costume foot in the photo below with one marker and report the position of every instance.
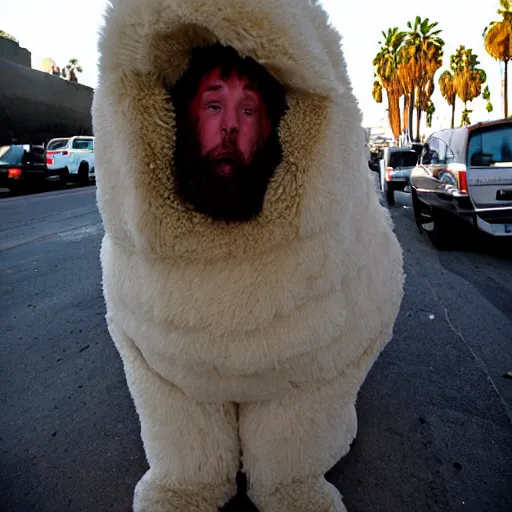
(152, 496)
(312, 496)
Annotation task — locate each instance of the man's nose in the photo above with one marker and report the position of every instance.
(230, 123)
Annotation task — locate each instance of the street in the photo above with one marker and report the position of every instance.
(435, 413)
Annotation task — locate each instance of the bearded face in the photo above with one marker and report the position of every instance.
(227, 147)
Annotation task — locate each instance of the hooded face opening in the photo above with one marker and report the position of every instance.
(228, 110)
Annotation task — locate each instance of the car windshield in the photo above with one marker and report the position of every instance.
(403, 159)
(491, 147)
(12, 155)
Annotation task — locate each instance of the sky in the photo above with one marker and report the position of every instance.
(64, 29)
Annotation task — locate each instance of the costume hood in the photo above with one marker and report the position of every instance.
(144, 50)
(320, 266)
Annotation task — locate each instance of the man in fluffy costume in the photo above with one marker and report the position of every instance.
(247, 310)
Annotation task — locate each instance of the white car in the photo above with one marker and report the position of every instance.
(465, 176)
(395, 169)
(74, 156)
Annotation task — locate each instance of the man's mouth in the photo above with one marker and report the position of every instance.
(225, 166)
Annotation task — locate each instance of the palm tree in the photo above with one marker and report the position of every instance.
(447, 81)
(498, 42)
(447, 86)
(72, 69)
(425, 55)
(386, 63)
(406, 73)
(468, 78)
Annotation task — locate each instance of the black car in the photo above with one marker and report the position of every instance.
(24, 165)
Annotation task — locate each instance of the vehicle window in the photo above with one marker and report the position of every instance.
(445, 154)
(12, 155)
(57, 144)
(37, 150)
(403, 159)
(82, 144)
(29, 157)
(490, 146)
(430, 153)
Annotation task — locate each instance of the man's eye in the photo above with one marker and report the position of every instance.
(248, 111)
(214, 108)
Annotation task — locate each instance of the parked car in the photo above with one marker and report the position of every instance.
(73, 155)
(395, 169)
(376, 145)
(465, 175)
(23, 165)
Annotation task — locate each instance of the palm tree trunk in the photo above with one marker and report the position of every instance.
(453, 112)
(394, 112)
(407, 105)
(411, 115)
(418, 122)
(505, 92)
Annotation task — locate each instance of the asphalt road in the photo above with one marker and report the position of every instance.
(435, 421)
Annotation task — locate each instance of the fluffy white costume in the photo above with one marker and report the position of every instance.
(248, 338)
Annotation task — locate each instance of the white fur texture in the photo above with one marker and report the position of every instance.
(283, 315)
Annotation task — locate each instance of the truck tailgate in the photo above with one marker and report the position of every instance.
(490, 187)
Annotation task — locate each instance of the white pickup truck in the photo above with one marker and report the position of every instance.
(73, 155)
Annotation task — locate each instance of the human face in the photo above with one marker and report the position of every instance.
(231, 120)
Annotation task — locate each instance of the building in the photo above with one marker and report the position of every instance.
(36, 106)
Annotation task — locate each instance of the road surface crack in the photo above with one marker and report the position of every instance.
(477, 358)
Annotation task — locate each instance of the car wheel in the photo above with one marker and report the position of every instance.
(63, 179)
(83, 174)
(441, 236)
(389, 193)
(417, 210)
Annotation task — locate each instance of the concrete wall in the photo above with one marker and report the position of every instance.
(36, 106)
(12, 51)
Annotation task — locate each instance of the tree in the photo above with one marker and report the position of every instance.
(447, 86)
(6, 35)
(386, 63)
(406, 73)
(468, 78)
(424, 50)
(71, 70)
(498, 42)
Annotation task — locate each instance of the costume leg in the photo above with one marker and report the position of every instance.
(288, 444)
(192, 448)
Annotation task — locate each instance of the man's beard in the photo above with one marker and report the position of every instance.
(227, 189)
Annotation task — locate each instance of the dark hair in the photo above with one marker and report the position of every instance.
(204, 60)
